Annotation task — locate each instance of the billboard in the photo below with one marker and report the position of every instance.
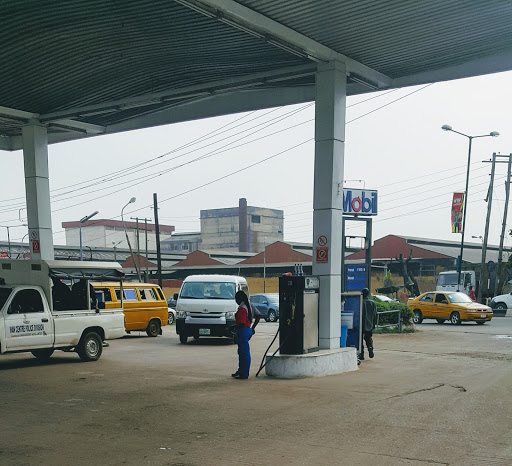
(457, 212)
(359, 201)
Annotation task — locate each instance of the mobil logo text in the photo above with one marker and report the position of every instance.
(359, 201)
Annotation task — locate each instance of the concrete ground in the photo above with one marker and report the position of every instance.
(439, 396)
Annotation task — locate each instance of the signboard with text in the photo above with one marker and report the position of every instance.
(359, 201)
(356, 277)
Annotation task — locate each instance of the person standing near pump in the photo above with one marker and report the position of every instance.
(369, 323)
(244, 332)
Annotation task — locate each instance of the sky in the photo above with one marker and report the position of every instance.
(394, 144)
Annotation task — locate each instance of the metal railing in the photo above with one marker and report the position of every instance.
(398, 324)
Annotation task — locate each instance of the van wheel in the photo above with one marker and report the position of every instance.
(43, 354)
(153, 329)
(417, 317)
(170, 318)
(272, 316)
(480, 323)
(183, 339)
(90, 347)
(455, 318)
(440, 321)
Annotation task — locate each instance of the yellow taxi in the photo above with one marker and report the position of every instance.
(453, 306)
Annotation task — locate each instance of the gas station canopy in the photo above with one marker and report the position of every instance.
(83, 68)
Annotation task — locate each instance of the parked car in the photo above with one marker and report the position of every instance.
(171, 315)
(385, 299)
(268, 305)
(456, 307)
(171, 302)
(501, 302)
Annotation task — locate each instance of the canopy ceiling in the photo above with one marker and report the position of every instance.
(88, 67)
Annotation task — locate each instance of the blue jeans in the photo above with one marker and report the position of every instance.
(244, 355)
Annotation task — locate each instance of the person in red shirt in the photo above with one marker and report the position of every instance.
(472, 294)
(243, 318)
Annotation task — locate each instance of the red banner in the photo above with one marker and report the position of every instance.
(457, 212)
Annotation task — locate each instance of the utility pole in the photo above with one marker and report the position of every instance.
(146, 233)
(503, 227)
(157, 232)
(488, 199)
(138, 243)
(138, 238)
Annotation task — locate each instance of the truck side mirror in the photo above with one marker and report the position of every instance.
(175, 296)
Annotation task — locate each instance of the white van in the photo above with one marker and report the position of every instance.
(206, 305)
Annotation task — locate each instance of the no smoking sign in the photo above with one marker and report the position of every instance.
(322, 254)
(322, 240)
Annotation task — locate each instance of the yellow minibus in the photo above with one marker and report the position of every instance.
(144, 304)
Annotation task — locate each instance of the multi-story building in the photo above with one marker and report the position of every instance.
(111, 233)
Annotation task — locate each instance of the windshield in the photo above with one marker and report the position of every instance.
(273, 298)
(459, 298)
(4, 295)
(447, 279)
(208, 290)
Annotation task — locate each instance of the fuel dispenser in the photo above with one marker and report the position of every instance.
(298, 314)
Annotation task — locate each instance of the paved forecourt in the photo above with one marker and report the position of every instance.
(438, 396)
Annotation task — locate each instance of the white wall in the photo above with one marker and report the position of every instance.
(100, 236)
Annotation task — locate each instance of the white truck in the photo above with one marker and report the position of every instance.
(34, 319)
(447, 281)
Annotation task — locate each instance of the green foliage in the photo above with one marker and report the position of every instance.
(406, 313)
(387, 279)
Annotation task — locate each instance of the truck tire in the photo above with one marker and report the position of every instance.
(90, 347)
(42, 354)
(153, 329)
(183, 339)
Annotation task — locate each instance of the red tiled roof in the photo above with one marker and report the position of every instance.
(278, 253)
(128, 263)
(198, 258)
(392, 246)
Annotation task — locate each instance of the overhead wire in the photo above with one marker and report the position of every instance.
(200, 139)
(261, 161)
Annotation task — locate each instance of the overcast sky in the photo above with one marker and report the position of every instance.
(394, 143)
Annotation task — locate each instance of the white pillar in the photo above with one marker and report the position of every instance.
(328, 196)
(37, 189)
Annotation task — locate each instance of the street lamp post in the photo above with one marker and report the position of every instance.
(491, 134)
(131, 201)
(83, 220)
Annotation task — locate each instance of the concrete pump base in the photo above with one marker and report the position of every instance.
(319, 363)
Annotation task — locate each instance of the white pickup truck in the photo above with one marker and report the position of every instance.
(33, 318)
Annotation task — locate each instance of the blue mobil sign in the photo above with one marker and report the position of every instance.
(359, 201)
(355, 277)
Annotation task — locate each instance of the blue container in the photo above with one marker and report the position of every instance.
(343, 337)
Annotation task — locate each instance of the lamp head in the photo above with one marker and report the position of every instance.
(132, 200)
(494, 134)
(446, 128)
(88, 217)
